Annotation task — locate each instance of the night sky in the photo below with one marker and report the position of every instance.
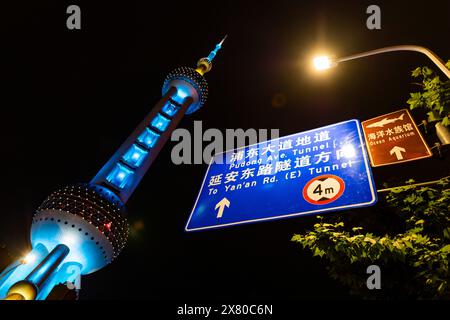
(70, 98)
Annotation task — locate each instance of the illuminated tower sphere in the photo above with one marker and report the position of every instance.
(81, 228)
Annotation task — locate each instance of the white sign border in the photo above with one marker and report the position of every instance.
(429, 155)
(356, 205)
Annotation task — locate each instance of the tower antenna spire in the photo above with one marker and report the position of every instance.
(204, 65)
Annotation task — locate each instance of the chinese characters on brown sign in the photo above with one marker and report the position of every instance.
(394, 138)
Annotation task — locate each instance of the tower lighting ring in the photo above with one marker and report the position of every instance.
(195, 86)
(92, 215)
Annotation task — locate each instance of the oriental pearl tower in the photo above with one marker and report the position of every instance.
(81, 228)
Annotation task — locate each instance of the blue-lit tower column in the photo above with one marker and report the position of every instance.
(184, 91)
(81, 228)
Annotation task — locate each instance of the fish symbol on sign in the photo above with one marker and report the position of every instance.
(385, 121)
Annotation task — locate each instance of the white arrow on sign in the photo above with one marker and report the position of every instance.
(221, 206)
(398, 152)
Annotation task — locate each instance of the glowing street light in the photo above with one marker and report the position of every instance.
(323, 62)
(29, 258)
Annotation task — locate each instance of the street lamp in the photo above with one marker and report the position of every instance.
(30, 258)
(324, 62)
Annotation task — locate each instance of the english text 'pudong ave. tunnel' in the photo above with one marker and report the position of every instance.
(81, 228)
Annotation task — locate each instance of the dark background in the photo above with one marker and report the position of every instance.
(69, 98)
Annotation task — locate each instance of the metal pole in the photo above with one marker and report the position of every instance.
(409, 186)
(430, 54)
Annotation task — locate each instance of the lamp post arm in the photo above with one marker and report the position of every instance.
(430, 54)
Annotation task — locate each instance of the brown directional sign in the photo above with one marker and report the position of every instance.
(394, 138)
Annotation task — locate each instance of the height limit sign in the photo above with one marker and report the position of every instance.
(394, 138)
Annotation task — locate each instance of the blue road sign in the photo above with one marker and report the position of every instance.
(312, 172)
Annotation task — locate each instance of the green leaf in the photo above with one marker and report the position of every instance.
(415, 101)
(417, 72)
(441, 288)
(318, 252)
(432, 116)
(446, 233)
(446, 249)
(427, 71)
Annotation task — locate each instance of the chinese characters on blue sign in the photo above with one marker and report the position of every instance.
(320, 170)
